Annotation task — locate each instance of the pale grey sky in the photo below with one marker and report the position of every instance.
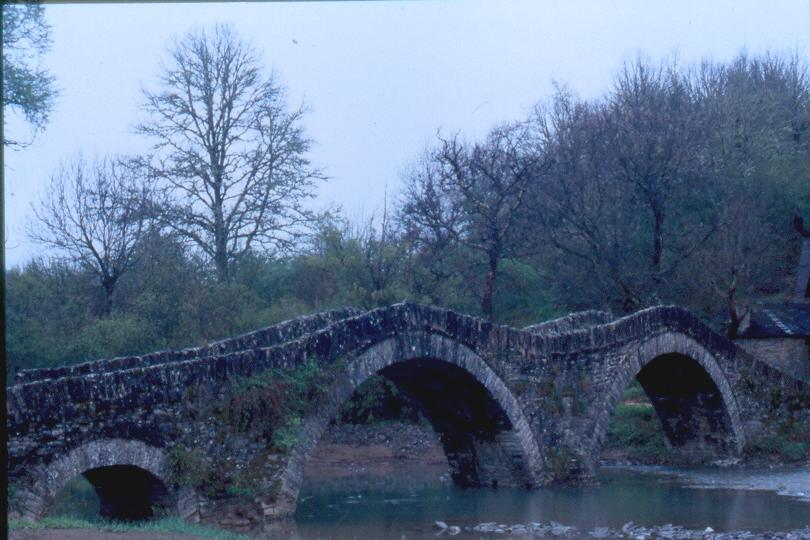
(380, 77)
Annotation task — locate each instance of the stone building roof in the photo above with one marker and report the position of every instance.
(789, 320)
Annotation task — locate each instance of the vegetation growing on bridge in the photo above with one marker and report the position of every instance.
(267, 408)
(272, 404)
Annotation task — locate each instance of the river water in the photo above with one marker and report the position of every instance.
(406, 504)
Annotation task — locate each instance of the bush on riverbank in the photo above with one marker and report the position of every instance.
(780, 448)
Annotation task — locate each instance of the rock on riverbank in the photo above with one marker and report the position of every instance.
(628, 531)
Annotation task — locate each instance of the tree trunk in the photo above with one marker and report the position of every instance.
(108, 284)
(221, 262)
(658, 246)
(658, 243)
(221, 249)
(486, 304)
(734, 315)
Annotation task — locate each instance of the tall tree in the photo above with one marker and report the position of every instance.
(27, 88)
(93, 214)
(586, 214)
(473, 195)
(231, 158)
(657, 134)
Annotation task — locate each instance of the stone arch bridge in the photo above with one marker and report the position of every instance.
(181, 430)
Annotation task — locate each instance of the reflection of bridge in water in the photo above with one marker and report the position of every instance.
(512, 407)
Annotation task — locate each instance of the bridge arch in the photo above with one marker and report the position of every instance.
(676, 372)
(121, 471)
(397, 350)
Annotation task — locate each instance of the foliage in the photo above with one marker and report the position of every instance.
(635, 393)
(563, 463)
(791, 440)
(77, 499)
(27, 89)
(268, 407)
(637, 429)
(678, 186)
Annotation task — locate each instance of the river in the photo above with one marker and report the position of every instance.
(406, 504)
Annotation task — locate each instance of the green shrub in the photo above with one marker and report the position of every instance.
(636, 428)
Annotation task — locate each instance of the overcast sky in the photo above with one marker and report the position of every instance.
(380, 77)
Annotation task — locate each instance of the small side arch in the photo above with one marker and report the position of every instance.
(118, 455)
(404, 347)
(673, 349)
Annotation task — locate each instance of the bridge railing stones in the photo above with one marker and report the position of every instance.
(224, 359)
(264, 337)
(571, 322)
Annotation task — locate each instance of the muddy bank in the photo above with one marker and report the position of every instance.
(376, 449)
(91, 534)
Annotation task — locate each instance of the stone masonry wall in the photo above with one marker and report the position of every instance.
(786, 354)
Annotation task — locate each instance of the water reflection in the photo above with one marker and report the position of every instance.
(405, 505)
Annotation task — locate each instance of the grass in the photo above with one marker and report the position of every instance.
(169, 524)
(635, 428)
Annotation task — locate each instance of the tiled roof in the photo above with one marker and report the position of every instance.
(789, 320)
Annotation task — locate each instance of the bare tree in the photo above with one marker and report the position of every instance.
(658, 134)
(674, 186)
(473, 195)
(627, 195)
(586, 214)
(93, 214)
(230, 157)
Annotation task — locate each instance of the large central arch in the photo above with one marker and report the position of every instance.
(691, 395)
(426, 350)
